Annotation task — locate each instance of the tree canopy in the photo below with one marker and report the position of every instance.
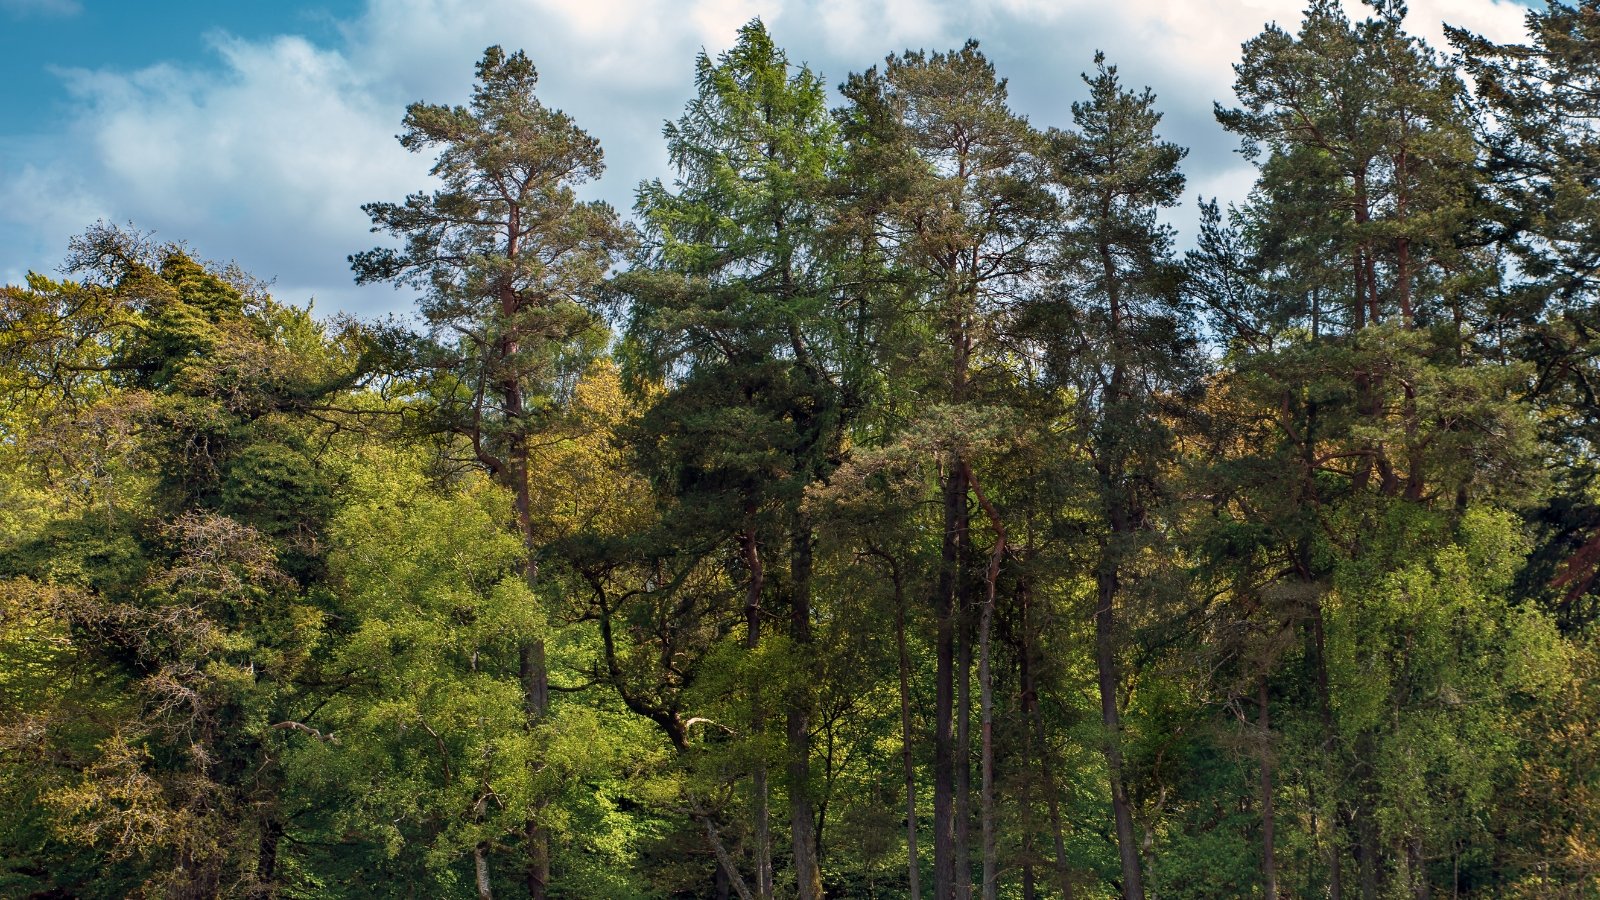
(893, 507)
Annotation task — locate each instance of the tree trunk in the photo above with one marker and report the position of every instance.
(963, 758)
(759, 801)
(1106, 583)
(1269, 851)
(536, 700)
(532, 673)
(1111, 718)
(1030, 709)
(1417, 862)
(802, 824)
(1368, 854)
(1329, 739)
(517, 476)
(913, 864)
(480, 870)
(730, 870)
(1316, 640)
(944, 781)
(1026, 786)
(963, 761)
(267, 856)
(986, 801)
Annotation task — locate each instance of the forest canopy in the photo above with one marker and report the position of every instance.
(888, 507)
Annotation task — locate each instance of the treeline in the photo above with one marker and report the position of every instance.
(889, 509)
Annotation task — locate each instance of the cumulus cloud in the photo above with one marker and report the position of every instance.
(265, 150)
(265, 155)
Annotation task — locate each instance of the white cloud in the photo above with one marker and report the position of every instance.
(50, 198)
(874, 30)
(295, 126)
(265, 151)
(265, 158)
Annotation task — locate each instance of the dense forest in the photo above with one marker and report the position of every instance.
(889, 507)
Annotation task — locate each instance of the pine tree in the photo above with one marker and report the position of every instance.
(961, 206)
(1540, 125)
(1115, 335)
(512, 264)
(1392, 401)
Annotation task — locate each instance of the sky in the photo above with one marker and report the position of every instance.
(255, 130)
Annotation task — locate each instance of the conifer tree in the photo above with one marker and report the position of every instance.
(965, 214)
(732, 305)
(511, 262)
(1369, 341)
(1116, 335)
(1540, 126)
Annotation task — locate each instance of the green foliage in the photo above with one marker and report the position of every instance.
(908, 509)
(427, 748)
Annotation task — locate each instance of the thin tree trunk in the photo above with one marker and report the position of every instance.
(536, 702)
(963, 760)
(1368, 854)
(962, 615)
(1030, 709)
(802, 824)
(1026, 789)
(913, 864)
(536, 699)
(480, 869)
(1316, 649)
(1053, 804)
(763, 831)
(1106, 587)
(1105, 658)
(1269, 852)
(944, 781)
(1418, 864)
(725, 861)
(986, 800)
(963, 848)
(1329, 738)
(1365, 389)
(267, 856)
(1414, 460)
(759, 800)
(1402, 203)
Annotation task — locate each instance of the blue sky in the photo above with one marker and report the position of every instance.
(40, 37)
(255, 130)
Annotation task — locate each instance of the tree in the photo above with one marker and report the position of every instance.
(185, 574)
(962, 209)
(910, 439)
(1116, 336)
(1368, 343)
(512, 262)
(1539, 123)
(731, 307)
